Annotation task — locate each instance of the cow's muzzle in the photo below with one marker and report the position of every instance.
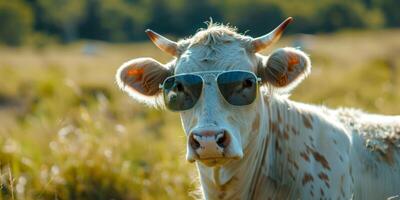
(210, 144)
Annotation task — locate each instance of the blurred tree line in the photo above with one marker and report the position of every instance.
(126, 20)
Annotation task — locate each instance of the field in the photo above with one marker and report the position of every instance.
(67, 131)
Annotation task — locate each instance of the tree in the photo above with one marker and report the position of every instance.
(339, 15)
(91, 26)
(65, 15)
(122, 21)
(391, 12)
(16, 22)
(195, 13)
(161, 17)
(259, 18)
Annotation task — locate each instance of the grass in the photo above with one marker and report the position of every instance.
(67, 132)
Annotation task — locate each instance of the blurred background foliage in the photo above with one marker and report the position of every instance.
(125, 20)
(68, 132)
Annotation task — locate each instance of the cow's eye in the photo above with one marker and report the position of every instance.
(247, 83)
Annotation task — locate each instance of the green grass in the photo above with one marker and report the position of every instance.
(67, 131)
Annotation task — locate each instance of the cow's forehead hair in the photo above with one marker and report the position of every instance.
(219, 47)
(214, 34)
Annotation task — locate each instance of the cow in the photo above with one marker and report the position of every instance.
(247, 138)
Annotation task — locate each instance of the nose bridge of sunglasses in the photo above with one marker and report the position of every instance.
(208, 79)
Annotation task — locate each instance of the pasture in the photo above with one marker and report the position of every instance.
(68, 132)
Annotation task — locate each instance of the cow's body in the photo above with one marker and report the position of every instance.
(374, 153)
(311, 152)
(271, 148)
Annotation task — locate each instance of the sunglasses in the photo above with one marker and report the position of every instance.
(181, 92)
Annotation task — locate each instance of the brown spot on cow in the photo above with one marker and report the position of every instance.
(293, 162)
(305, 156)
(256, 123)
(318, 157)
(322, 160)
(274, 128)
(295, 131)
(323, 176)
(285, 135)
(307, 178)
(306, 121)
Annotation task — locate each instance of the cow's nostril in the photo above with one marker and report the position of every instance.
(193, 142)
(209, 142)
(222, 139)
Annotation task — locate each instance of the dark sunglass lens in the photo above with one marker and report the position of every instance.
(238, 88)
(182, 92)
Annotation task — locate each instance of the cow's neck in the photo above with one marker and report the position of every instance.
(260, 173)
(234, 179)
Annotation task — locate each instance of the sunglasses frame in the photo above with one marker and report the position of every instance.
(218, 73)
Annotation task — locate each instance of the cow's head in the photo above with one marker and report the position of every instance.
(214, 84)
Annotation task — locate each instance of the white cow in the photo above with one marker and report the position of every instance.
(260, 144)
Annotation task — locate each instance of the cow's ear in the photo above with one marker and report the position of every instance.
(285, 68)
(141, 78)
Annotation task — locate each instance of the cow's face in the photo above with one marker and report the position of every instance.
(217, 130)
(215, 85)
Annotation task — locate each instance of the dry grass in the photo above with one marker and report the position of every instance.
(67, 132)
